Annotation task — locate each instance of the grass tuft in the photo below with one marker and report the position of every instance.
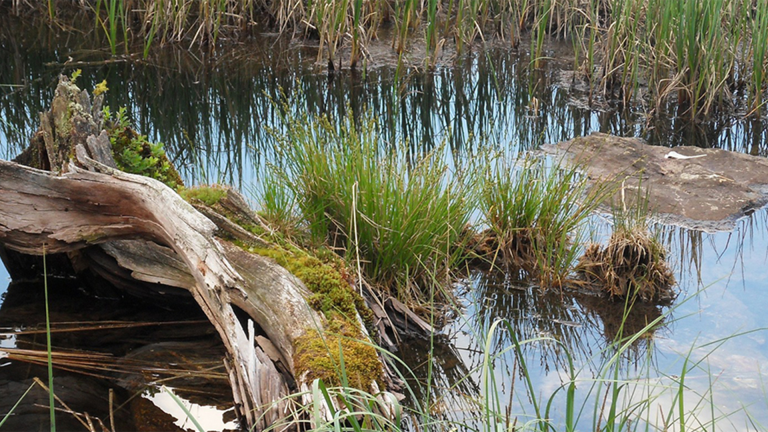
(633, 263)
(536, 215)
(395, 217)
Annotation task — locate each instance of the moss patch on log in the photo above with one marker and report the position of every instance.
(208, 195)
(328, 280)
(321, 355)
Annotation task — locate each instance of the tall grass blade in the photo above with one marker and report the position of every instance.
(184, 408)
(51, 404)
(13, 408)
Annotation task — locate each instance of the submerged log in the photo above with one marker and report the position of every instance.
(137, 232)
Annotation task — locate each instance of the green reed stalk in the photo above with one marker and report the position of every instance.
(112, 10)
(526, 374)
(459, 25)
(220, 14)
(184, 408)
(151, 34)
(406, 14)
(541, 24)
(759, 57)
(357, 11)
(13, 408)
(51, 10)
(113, 7)
(51, 405)
(432, 32)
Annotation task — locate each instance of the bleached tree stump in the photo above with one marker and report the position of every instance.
(75, 199)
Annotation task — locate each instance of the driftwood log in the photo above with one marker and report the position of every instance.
(137, 232)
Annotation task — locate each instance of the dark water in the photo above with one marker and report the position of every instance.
(213, 113)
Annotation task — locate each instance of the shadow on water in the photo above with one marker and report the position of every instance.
(105, 349)
(214, 113)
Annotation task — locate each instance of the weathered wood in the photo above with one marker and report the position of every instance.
(44, 213)
(139, 234)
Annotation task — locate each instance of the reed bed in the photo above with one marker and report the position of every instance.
(706, 56)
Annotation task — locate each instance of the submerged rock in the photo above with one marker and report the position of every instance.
(707, 189)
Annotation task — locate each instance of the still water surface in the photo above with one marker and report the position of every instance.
(213, 115)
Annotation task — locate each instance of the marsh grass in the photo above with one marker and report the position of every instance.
(394, 214)
(15, 405)
(759, 44)
(633, 263)
(51, 405)
(536, 215)
(705, 55)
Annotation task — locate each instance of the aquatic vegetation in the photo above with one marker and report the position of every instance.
(397, 218)
(706, 55)
(535, 216)
(633, 263)
(692, 54)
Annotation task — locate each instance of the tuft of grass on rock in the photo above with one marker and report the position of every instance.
(395, 216)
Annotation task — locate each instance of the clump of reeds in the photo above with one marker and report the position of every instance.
(633, 263)
(535, 214)
(395, 217)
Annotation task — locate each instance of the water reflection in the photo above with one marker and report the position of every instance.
(213, 111)
(213, 114)
(553, 329)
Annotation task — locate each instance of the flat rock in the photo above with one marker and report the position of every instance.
(706, 189)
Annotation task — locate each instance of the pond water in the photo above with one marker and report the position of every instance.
(213, 114)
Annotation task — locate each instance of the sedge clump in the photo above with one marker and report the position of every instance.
(633, 263)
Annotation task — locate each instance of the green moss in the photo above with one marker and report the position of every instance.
(208, 195)
(321, 357)
(332, 294)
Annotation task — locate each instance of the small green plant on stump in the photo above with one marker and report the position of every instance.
(135, 154)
